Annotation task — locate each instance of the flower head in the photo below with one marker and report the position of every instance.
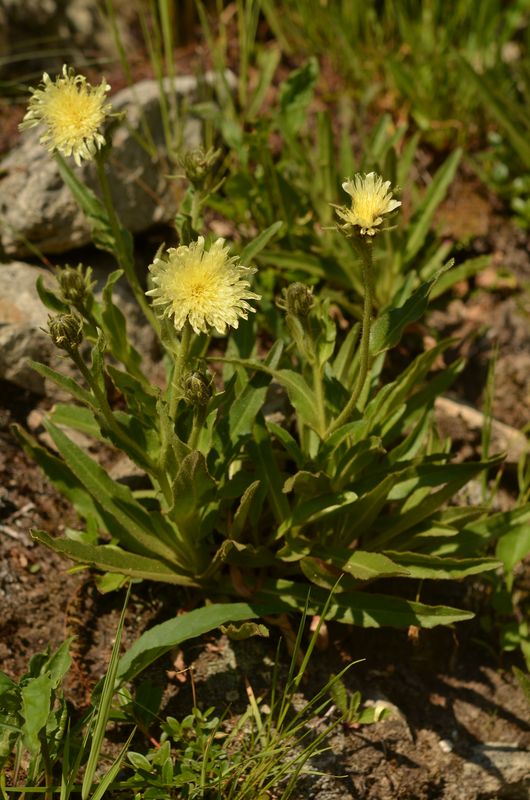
(66, 331)
(371, 199)
(206, 288)
(71, 111)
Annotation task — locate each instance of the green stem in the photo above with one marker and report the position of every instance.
(196, 202)
(199, 416)
(318, 388)
(101, 398)
(178, 369)
(172, 398)
(124, 257)
(366, 253)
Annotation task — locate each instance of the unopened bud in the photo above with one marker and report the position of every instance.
(66, 331)
(297, 299)
(75, 284)
(197, 389)
(198, 165)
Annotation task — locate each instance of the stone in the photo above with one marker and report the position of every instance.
(37, 208)
(74, 26)
(501, 769)
(23, 316)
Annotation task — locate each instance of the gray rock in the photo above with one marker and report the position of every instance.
(36, 207)
(74, 26)
(499, 767)
(22, 317)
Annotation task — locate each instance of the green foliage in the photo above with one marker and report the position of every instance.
(348, 477)
(364, 498)
(266, 747)
(410, 49)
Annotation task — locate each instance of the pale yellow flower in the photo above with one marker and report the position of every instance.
(371, 199)
(71, 111)
(206, 288)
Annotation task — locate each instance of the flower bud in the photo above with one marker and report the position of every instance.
(75, 284)
(297, 299)
(66, 331)
(198, 165)
(197, 389)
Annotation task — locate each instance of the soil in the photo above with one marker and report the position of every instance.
(459, 722)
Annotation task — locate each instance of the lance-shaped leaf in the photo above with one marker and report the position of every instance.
(148, 533)
(162, 638)
(114, 559)
(388, 327)
(190, 487)
(426, 566)
(366, 609)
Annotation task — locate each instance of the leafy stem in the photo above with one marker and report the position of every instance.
(103, 404)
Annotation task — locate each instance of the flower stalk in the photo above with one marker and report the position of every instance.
(365, 249)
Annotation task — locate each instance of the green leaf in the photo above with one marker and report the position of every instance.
(245, 504)
(300, 393)
(192, 483)
(268, 60)
(364, 609)
(497, 525)
(512, 548)
(103, 708)
(388, 327)
(78, 418)
(60, 475)
(460, 273)
(68, 384)
(161, 638)
(244, 409)
(36, 700)
(139, 395)
(50, 299)
(307, 484)
(114, 559)
(289, 442)
(426, 566)
(255, 247)
(360, 564)
(116, 329)
(365, 511)
(424, 477)
(436, 192)
(59, 663)
(295, 95)
(143, 534)
(341, 367)
(11, 720)
(320, 509)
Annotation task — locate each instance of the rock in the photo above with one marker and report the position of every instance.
(450, 414)
(36, 206)
(75, 26)
(501, 770)
(22, 317)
